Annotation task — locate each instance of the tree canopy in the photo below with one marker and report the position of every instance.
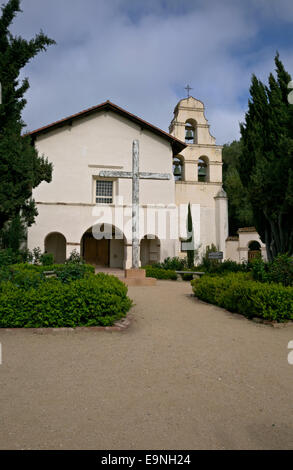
(240, 210)
(21, 168)
(266, 163)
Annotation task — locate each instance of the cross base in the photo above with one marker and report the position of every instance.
(137, 277)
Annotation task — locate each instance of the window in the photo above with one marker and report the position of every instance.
(104, 192)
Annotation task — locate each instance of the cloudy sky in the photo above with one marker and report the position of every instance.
(141, 54)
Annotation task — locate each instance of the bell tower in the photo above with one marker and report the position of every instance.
(201, 161)
(198, 172)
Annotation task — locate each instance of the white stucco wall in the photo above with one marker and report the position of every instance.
(103, 141)
(79, 152)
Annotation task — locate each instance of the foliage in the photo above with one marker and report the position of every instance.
(74, 257)
(47, 259)
(8, 256)
(31, 275)
(238, 293)
(37, 253)
(13, 234)
(239, 208)
(280, 270)
(190, 240)
(159, 273)
(266, 163)
(96, 300)
(175, 264)
(21, 168)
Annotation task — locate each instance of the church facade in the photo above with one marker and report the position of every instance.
(83, 210)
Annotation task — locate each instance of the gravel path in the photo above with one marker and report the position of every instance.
(185, 375)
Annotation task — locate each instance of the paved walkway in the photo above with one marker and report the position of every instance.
(185, 375)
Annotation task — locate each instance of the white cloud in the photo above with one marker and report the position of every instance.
(139, 57)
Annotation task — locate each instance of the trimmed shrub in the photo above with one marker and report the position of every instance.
(31, 275)
(96, 300)
(279, 270)
(160, 273)
(173, 264)
(187, 277)
(238, 293)
(47, 259)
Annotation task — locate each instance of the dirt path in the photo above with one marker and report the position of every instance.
(186, 375)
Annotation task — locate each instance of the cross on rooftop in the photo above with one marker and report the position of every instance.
(188, 88)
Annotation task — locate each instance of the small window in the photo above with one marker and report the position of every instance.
(104, 192)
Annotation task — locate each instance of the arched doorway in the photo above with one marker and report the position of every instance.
(103, 246)
(254, 250)
(150, 250)
(55, 244)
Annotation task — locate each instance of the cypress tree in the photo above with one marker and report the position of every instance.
(21, 168)
(190, 239)
(266, 162)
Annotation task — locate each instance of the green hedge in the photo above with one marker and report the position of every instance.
(30, 275)
(159, 273)
(238, 293)
(95, 300)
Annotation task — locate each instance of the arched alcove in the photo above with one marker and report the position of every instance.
(55, 244)
(150, 248)
(254, 250)
(103, 245)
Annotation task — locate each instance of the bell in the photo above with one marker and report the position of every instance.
(202, 172)
(189, 134)
(177, 170)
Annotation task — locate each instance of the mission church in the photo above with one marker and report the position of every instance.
(98, 141)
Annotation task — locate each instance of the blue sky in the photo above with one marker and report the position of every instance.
(140, 54)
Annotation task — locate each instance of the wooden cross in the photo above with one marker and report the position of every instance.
(135, 175)
(188, 88)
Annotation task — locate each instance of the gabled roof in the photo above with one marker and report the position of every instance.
(177, 145)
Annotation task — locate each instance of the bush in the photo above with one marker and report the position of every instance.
(187, 277)
(279, 270)
(74, 257)
(47, 259)
(239, 293)
(8, 256)
(96, 300)
(175, 264)
(159, 273)
(31, 275)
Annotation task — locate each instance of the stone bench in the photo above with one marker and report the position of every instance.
(197, 273)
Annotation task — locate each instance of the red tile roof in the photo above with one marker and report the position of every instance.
(177, 145)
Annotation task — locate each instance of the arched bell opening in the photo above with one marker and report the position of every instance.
(203, 169)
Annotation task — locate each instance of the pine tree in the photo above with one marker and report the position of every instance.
(21, 168)
(266, 163)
